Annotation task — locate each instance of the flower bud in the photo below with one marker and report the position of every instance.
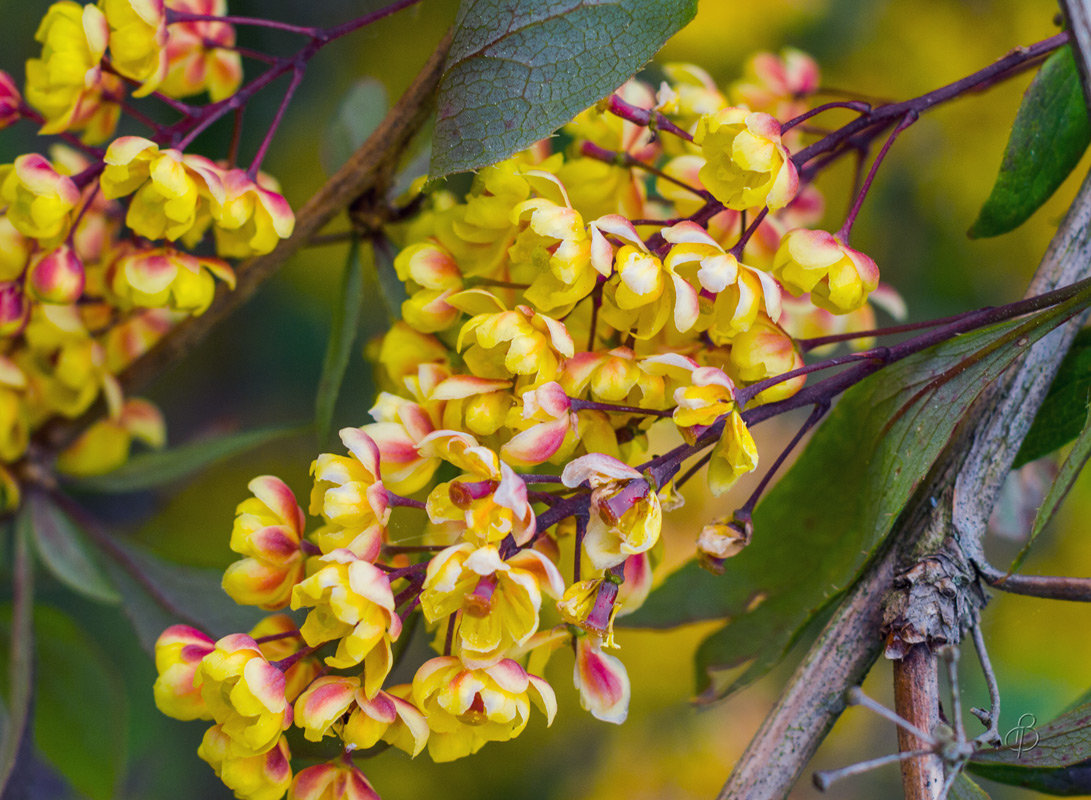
(56, 276)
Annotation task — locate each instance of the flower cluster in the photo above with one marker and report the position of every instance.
(101, 250)
(555, 315)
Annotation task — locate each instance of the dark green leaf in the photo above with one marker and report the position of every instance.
(157, 594)
(1070, 470)
(80, 713)
(20, 656)
(519, 69)
(1054, 758)
(343, 325)
(160, 467)
(818, 526)
(965, 789)
(361, 110)
(1062, 414)
(64, 549)
(1048, 137)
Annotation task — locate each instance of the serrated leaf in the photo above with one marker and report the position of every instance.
(1054, 758)
(80, 713)
(161, 467)
(1061, 416)
(64, 549)
(816, 529)
(519, 69)
(361, 110)
(343, 326)
(14, 739)
(157, 594)
(1049, 135)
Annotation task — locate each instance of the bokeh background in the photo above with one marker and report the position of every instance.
(262, 368)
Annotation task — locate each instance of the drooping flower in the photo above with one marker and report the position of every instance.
(602, 681)
(838, 278)
(171, 191)
(267, 532)
(351, 603)
(625, 515)
(746, 165)
(179, 650)
(488, 501)
(244, 694)
(67, 83)
(466, 708)
(498, 601)
(39, 200)
(250, 217)
(200, 54)
(138, 35)
(334, 780)
(264, 776)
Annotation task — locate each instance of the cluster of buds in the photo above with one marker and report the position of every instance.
(555, 315)
(98, 248)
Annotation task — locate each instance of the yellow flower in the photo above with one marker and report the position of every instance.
(746, 166)
(268, 530)
(286, 641)
(331, 781)
(39, 200)
(351, 603)
(244, 693)
(518, 342)
(171, 191)
(761, 352)
(625, 515)
(178, 652)
(348, 490)
(105, 445)
(388, 716)
(430, 267)
(67, 84)
(138, 33)
(838, 278)
(710, 395)
(734, 455)
(498, 600)
(466, 708)
(488, 501)
(199, 54)
(249, 218)
(265, 776)
(164, 277)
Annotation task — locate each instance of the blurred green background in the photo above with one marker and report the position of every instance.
(262, 368)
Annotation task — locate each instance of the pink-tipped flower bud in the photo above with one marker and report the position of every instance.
(10, 100)
(14, 309)
(56, 276)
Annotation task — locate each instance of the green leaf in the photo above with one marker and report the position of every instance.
(20, 659)
(64, 549)
(157, 594)
(965, 789)
(1054, 758)
(343, 326)
(160, 467)
(1070, 470)
(80, 707)
(816, 529)
(361, 110)
(1048, 137)
(1062, 414)
(519, 69)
